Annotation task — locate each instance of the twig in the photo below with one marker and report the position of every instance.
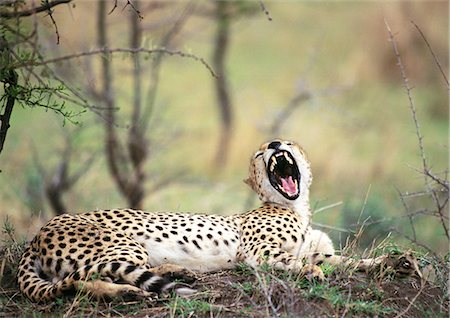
(50, 14)
(412, 240)
(364, 204)
(422, 286)
(26, 13)
(108, 51)
(327, 207)
(135, 9)
(432, 53)
(114, 7)
(329, 227)
(264, 9)
(410, 216)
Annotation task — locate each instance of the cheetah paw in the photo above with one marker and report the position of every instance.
(404, 265)
(312, 273)
(173, 271)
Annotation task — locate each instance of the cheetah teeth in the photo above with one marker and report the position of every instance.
(272, 166)
(288, 158)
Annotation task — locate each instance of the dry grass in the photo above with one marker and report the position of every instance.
(262, 292)
(246, 292)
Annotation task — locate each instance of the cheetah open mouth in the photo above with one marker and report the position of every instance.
(284, 175)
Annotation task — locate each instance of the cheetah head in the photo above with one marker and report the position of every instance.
(280, 173)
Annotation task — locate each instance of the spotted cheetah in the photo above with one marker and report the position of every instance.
(124, 251)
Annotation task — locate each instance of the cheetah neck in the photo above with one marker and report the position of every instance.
(300, 206)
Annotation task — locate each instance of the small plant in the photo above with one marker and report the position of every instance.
(182, 307)
(10, 251)
(247, 288)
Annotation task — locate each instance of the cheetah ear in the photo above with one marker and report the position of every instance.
(249, 182)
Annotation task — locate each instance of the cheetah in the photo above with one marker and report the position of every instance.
(119, 252)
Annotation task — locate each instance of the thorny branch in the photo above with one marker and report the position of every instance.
(46, 6)
(107, 51)
(440, 206)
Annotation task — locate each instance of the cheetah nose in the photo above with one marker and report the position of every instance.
(274, 145)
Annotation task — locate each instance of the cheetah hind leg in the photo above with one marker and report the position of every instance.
(174, 272)
(104, 289)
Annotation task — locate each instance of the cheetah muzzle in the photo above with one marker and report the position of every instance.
(284, 175)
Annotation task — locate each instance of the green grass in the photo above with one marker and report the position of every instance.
(338, 300)
(180, 307)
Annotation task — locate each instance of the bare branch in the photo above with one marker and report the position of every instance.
(50, 14)
(114, 7)
(221, 84)
(108, 51)
(135, 9)
(59, 181)
(301, 97)
(408, 93)
(46, 6)
(137, 143)
(436, 60)
(285, 113)
(9, 79)
(156, 66)
(114, 150)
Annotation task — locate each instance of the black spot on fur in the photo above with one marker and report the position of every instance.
(143, 278)
(129, 269)
(115, 266)
(196, 244)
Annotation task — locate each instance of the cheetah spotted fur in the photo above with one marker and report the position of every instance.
(112, 253)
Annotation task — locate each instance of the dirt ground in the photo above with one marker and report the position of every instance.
(249, 293)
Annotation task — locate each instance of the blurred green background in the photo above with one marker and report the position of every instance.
(356, 128)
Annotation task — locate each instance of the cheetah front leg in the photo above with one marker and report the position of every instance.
(271, 254)
(320, 249)
(315, 249)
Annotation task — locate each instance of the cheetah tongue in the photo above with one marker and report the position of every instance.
(289, 186)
